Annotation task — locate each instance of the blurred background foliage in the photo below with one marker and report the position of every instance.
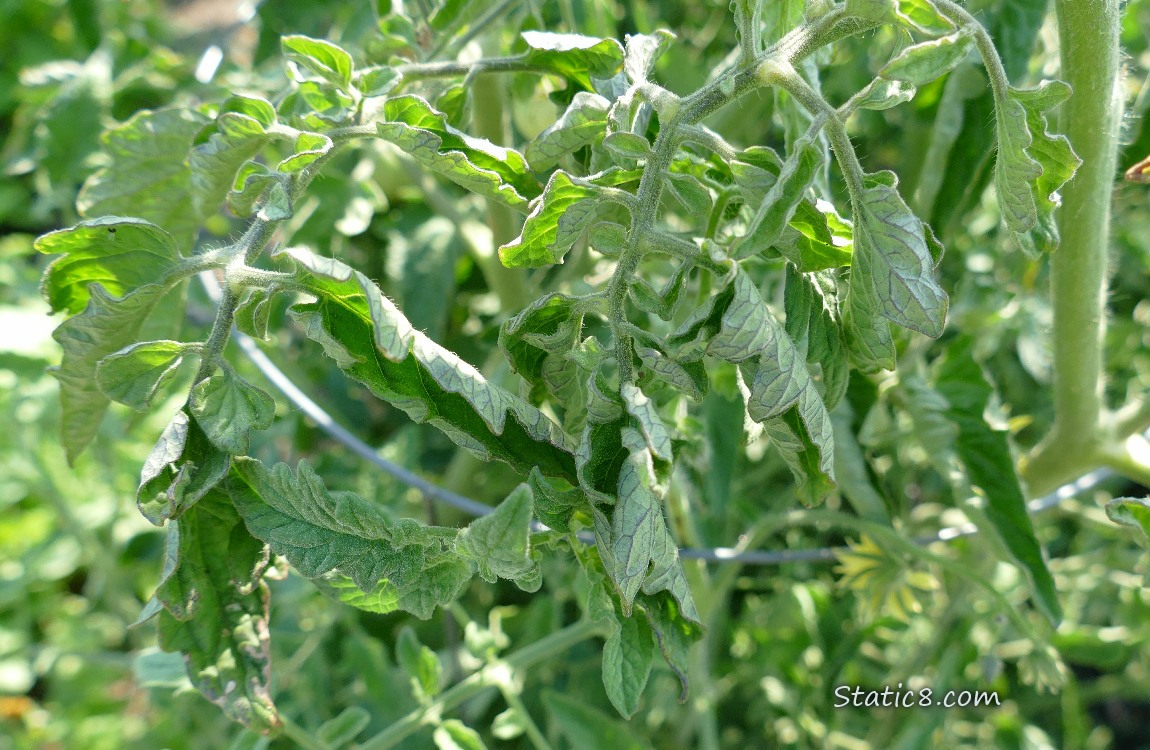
(77, 561)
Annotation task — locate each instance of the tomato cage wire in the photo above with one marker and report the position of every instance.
(437, 494)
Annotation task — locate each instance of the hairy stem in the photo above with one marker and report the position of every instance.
(1090, 64)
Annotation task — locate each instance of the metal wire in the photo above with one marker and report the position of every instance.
(439, 494)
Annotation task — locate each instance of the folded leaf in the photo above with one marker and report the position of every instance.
(216, 613)
(781, 200)
(375, 344)
(319, 56)
(181, 468)
(576, 57)
(478, 165)
(920, 64)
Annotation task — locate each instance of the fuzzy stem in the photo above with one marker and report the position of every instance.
(1090, 58)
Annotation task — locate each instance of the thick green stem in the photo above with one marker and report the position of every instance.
(524, 658)
(1088, 34)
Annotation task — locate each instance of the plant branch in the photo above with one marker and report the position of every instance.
(1090, 64)
(526, 657)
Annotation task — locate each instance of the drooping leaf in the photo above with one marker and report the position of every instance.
(627, 657)
(892, 270)
(241, 131)
(375, 344)
(632, 531)
(320, 531)
(868, 336)
(383, 599)
(643, 410)
(106, 326)
(675, 631)
(500, 543)
(478, 165)
(228, 408)
(812, 322)
(555, 508)
(557, 220)
(920, 64)
(550, 325)
(216, 613)
(148, 175)
(584, 121)
(985, 452)
(134, 375)
(121, 254)
(180, 469)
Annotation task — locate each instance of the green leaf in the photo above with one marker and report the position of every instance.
(581, 124)
(892, 270)
(674, 631)
(1053, 155)
(241, 132)
(985, 452)
(327, 60)
(379, 81)
(453, 734)
(576, 57)
(253, 313)
(500, 543)
(107, 325)
(557, 220)
(881, 94)
(478, 165)
(628, 145)
(586, 727)
(383, 598)
(422, 664)
(920, 64)
(121, 254)
(650, 424)
(134, 375)
(228, 408)
(1133, 512)
(922, 15)
(216, 612)
(627, 657)
(550, 325)
(180, 469)
(320, 531)
(633, 529)
(375, 344)
(810, 302)
(309, 147)
(781, 200)
(148, 175)
(343, 729)
(868, 337)
(555, 508)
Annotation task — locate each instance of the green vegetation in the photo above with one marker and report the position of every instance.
(598, 303)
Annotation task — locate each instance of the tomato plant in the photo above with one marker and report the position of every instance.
(644, 311)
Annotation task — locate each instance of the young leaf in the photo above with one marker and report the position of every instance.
(216, 613)
(376, 345)
(627, 657)
(477, 165)
(675, 631)
(633, 529)
(180, 469)
(241, 133)
(650, 424)
(811, 305)
(228, 408)
(576, 57)
(422, 665)
(920, 64)
(985, 452)
(781, 200)
(134, 375)
(584, 121)
(557, 220)
(892, 267)
(107, 325)
(1054, 156)
(327, 60)
(922, 15)
(453, 734)
(555, 508)
(121, 254)
(1133, 512)
(148, 175)
(500, 543)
